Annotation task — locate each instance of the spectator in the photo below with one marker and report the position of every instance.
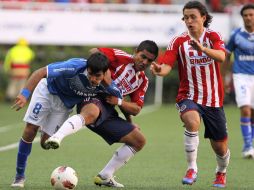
(17, 66)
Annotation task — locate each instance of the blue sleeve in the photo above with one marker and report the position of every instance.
(114, 90)
(67, 68)
(231, 43)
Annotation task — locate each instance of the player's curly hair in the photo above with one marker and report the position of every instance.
(98, 62)
(245, 7)
(202, 9)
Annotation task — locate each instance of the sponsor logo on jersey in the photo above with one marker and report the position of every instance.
(246, 57)
(201, 60)
(63, 69)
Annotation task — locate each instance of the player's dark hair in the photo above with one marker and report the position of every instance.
(245, 7)
(98, 62)
(202, 10)
(149, 46)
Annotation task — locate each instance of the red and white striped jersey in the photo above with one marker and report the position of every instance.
(132, 83)
(200, 78)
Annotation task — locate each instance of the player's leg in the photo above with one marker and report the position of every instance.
(118, 130)
(243, 91)
(222, 157)
(191, 119)
(252, 122)
(36, 115)
(245, 122)
(24, 150)
(87, 115)
(216, 130)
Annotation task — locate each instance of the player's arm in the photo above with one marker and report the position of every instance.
(216, 54)
(25, 93)
(111, 87)
(160, 70)
(93, 50)
(126, 115)
(127, 107)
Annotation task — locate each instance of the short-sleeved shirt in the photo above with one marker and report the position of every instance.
(241, 43)
(123, 73)
(68, 80)
(199, 75)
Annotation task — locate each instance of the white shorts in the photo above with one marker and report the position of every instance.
(244, 89)
(46, 110)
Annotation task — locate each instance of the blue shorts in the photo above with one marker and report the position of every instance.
(214, 119)
(109, 125)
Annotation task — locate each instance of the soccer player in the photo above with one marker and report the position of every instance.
(66, 84)
(199, 52)
(127, 71)
(241, 43)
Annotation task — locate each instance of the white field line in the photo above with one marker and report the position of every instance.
(9, 127)
(145, 110)
(15, 145)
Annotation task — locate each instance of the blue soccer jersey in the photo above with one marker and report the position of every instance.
(242, 44)
(68, 80)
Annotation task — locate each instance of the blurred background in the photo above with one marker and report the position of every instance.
(34, 33)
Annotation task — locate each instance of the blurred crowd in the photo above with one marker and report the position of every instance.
(214, 5)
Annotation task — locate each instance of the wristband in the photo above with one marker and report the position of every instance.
(119, 102)
(26, 93)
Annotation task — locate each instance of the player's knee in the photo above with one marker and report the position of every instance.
(90, 115)
(30, 132)
(140, 143)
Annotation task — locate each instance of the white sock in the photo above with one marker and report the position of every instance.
(121, 157)
(222, 162)
(70, 126)
(191, 142)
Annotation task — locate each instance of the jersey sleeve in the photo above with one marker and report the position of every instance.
(109, 52)
(217, 41)
(170, 55)
(67, 68)
(116, 56)
(138, 96)
(231, 43)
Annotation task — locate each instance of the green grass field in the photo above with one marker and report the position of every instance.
(159, 166)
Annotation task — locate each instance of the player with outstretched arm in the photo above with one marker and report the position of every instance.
(199, 52)
(57, 88)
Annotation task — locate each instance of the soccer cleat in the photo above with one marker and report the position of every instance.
(248, 153)
(220, 180)
(190, 177)
(52, 142)
(98, 180)
(18, 182)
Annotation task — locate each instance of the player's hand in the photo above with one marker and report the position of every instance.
(19, 102)
(155, 68)
(196, 45)
(113, 100)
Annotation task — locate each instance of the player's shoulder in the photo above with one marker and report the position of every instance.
(178, 39)
(119, 52)
(212, 34)
(180, 36)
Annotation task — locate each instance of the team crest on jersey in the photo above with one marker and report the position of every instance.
(205, 44)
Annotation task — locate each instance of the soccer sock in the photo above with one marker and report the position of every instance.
(23, 153)
(70, 126)
(121, 157)
(246, 132)
(222, 162)
(252, 128)
(191, 142)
